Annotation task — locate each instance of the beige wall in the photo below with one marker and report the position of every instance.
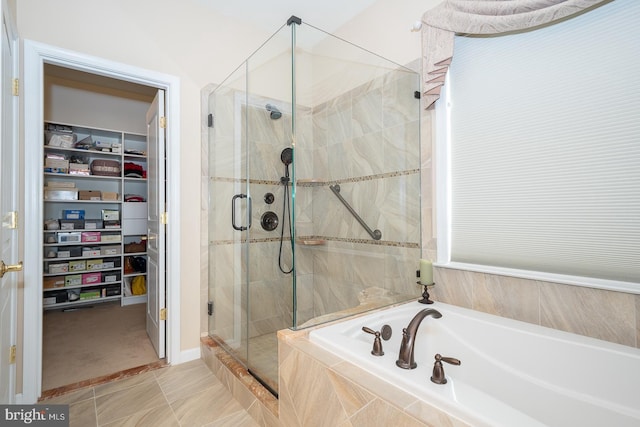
(200, 47)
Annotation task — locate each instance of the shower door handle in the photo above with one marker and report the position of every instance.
(233, 212)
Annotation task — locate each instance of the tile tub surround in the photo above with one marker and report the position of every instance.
(319, 389)
(597, 313)
(342, 394)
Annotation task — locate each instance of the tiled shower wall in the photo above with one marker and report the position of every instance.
(367, 142)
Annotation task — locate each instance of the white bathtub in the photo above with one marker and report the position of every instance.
(512, 374)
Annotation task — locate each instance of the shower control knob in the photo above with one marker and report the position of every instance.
(269, 221)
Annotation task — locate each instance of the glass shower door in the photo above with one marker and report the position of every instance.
(250, 178)
(268, 135)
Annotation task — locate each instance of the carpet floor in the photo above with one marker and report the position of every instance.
(91, 342)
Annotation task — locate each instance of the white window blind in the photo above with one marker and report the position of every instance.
(545, 147)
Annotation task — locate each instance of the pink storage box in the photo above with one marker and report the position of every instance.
(90, 236)
(89, 278)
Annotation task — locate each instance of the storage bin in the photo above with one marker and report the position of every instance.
(110, 215)
(60, 194)
(111, 276)
(134, 247)
(63, 254)
(74, 251)
(53, 282)
(111, 224)
(77, 265)
(90, 278)
(73, 214)
(110, 250)
(89, 294)
(73, 280)
(112, 290)
(105, 167)
(95, 264)
(90, 236)
(87, 252)
(56, 165)
(72, 237)
(89, 195)
(62, 267)
(79, 169)
(91, 224)
(111, 238)
(110, 195)
(71, 224)
(58, 139)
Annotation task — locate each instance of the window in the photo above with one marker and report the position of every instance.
(539, 172)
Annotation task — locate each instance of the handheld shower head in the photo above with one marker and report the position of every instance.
(287, 156)
(275, 113)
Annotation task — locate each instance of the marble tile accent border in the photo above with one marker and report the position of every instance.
(325, 238)
(252, 396)
(317, 183)
(59, 391)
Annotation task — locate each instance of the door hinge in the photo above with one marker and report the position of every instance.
(10, 220)
(12, 355)
(163, 314)
(210, 120)
(16, 87)
(163, 122)
(164, 218)
(210, 308)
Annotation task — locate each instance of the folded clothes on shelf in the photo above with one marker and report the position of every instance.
(134, 170)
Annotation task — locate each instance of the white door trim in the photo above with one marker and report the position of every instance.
(35, 55)
(10, 135)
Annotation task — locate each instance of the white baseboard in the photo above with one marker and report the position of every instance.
(187, 356)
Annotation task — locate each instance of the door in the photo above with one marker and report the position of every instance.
(156, 303)
(9, 228)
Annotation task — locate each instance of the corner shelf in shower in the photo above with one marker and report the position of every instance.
(310, 182)
(311, 242)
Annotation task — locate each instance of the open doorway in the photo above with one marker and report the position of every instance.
(166, 323)
(94, 318)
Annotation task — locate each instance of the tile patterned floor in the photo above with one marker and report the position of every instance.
(186, 395)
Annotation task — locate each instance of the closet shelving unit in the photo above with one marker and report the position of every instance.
(89, 225)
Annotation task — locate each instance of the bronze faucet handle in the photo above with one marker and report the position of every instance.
(449, 360)
(438, 370)
(377, 342)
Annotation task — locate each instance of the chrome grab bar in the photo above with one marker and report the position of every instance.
(375, 234)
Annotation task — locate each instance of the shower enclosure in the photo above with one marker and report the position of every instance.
(314, 190)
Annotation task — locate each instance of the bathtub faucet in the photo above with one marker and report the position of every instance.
(405, 359)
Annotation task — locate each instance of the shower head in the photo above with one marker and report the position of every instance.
(275, 113)
(287, 156)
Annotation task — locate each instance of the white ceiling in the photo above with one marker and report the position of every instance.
(328, 15)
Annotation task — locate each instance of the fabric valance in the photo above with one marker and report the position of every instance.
(482, 17)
